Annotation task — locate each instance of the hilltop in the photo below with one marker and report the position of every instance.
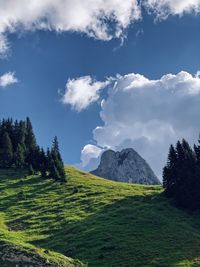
(100, 222)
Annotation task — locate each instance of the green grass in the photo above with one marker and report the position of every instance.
(101, 223)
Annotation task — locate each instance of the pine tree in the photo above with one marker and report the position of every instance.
(48, 159)
(197, 151)
(61, 170)
(181, 176)
(20, 156)
(53, 172)
(6, 151)
(20, 135)
(170, 172)
(184, 193)
(55, 149)
(8, 126)
(43, 164)
(34, 159)
(56, 156)
(30, 140)
(30, 170)
(15, 139)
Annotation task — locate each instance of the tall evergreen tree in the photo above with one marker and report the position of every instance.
(6, 151)
(181, 176)
(30, 140)
(57, 160)
(55, 149)
(21, 134)
(43, 163)
(197, 151)
(34, 159)
(170, 172)
(186, 178)
(53, 172)
(15, 139)
(20, 156)
(8, 124)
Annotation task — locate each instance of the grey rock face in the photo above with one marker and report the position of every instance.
(14, 256)
(125, 166)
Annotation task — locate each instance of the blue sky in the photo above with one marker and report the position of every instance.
(44, 61)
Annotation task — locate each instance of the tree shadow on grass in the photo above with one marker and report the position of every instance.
(137, 230)
(134, 231)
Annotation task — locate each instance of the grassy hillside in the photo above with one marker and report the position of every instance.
(100, 222)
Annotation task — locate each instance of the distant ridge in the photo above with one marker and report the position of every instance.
(125, 166)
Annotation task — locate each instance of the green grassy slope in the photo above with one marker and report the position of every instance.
(100, 222)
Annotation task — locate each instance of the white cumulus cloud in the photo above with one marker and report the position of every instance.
(81, 92)
(8, 79)
(90, 152)
(101, 19)
(149, 115)
(88, 16)
(163, 8)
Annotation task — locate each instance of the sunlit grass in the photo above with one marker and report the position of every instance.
(100, 222)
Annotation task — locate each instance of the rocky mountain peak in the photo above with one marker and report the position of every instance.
(125, 166)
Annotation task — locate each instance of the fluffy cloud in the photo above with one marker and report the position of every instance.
(149, 115)
(8, 79)
(4, 46)
(163, 8)
(81, 92)
(89, 16)
(90, 152)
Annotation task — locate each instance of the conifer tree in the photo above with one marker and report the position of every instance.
(6, 151)
(181, 176)
(170, 172)
(48, 159)
(186, 170)
(53, 172)
(30, 140)
(197, 151)
(55, 149)
(34, 159)
(30, 170)
(20, 156)
(21, 134)
(43, 164)
(15, 140)
(8, 127)
(57, 159)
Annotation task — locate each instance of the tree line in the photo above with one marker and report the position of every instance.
(19, 149)
(181, 175)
